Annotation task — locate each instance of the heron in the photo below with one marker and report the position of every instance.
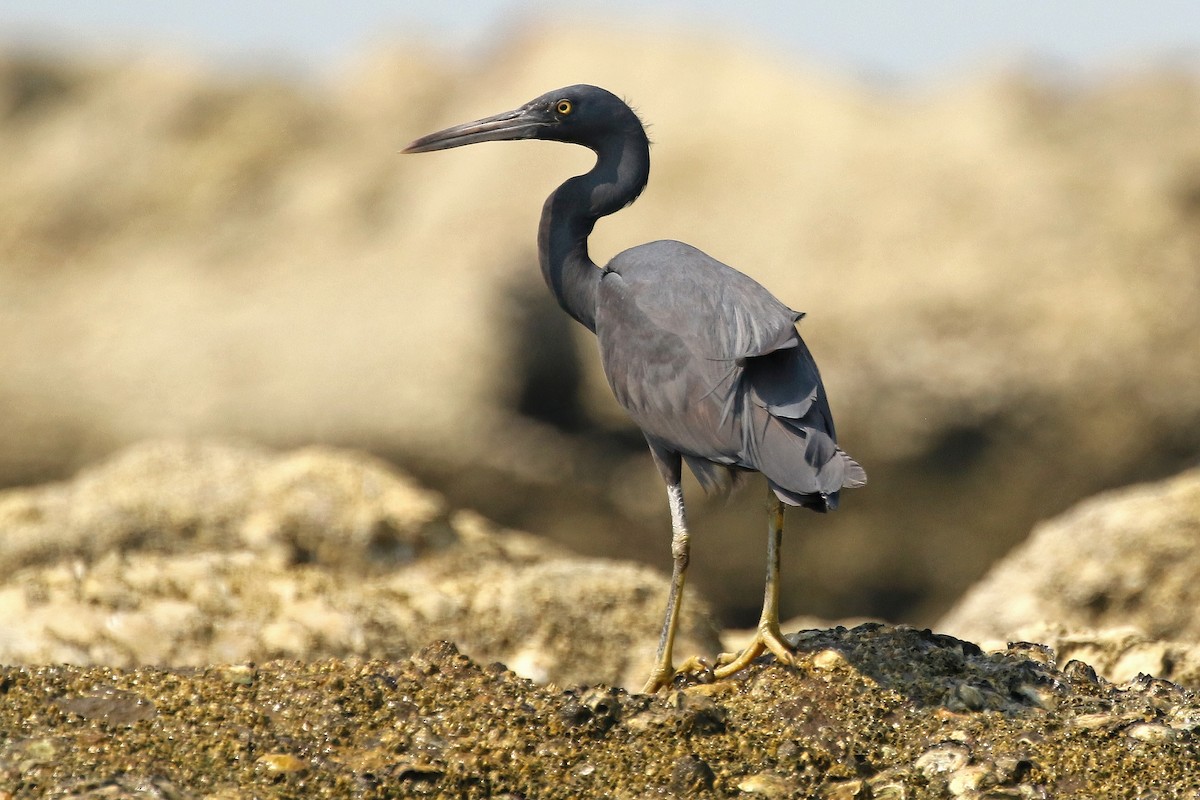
(704, 359)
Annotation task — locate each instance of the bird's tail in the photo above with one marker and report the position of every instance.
(855, 476)
(803, 464)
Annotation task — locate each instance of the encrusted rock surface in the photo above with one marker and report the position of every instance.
(873, 712)
(1119, 654)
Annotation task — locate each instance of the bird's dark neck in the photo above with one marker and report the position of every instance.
(621, 171)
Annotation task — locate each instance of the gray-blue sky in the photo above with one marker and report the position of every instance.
(907, 40)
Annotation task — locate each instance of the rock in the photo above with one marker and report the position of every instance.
(1126, 559)
(317, 505)
(1118, 654)
(177, 553)
(438, 724)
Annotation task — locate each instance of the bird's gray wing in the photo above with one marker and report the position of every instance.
(713, 313)
(717, 311)
(709, 362)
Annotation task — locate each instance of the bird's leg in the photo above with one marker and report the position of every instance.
(767, 636)
(664, 668)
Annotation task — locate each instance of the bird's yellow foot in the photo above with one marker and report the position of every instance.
(660, 678)
(767, 637)
(664, 675)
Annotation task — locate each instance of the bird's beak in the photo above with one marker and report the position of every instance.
(521, 123)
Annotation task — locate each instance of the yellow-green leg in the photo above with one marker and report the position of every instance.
(767, 636)
(664, 668)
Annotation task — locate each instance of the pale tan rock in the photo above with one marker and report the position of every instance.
(1124, 559)
(350, 559)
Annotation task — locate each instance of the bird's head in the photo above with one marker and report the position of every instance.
(580, 114)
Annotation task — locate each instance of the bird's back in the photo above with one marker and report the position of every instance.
(708, 363)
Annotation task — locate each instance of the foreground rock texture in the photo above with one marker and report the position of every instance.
(1125, 559)
(875, 712)
(1000, 274)
(178, 553)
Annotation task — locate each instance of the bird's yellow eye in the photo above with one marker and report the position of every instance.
(564, 107)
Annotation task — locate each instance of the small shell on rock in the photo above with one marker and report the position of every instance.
(1043, 654)
(1037, 695)
(690, 776)
(281, 762)
(416, 768)
(829, 659)
(33, 752)
(240, 674)
(1081, 671)
(942, 759)
(794, 639)
(114, 706)
(1011, 769)
(968, 779)
(888, 790)
(694, 712)
(603, 702)
(1091, 722)
(767, 784)
(847, 790)
(698, 712)
(595, 708)
(966, 697)
(1151, 732)
(1185, 719)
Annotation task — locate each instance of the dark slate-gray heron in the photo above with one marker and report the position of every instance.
(705, 360)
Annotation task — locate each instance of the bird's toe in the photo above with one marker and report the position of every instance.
(767, 639)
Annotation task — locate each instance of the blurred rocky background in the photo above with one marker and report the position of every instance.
(1001, 273)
